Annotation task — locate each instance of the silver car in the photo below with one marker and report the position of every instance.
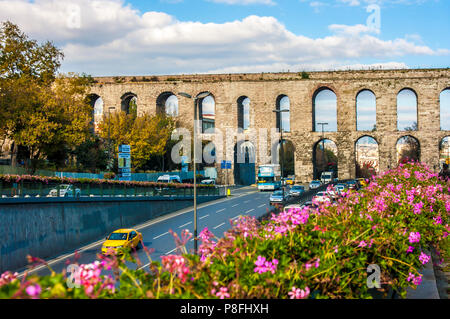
(65, 190)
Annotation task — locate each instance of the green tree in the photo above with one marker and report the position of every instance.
(41, 111)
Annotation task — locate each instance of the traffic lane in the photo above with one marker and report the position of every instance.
(211, 217)
(89, 254)
(217, 224)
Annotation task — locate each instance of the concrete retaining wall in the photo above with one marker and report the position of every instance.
(45, 228)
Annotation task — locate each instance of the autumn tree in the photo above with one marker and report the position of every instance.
(40, 111)
(148, 135)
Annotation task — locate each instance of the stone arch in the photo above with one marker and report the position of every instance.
(244, 163)
(207, 112)
(323, 99)
(97, 105)
(283, 120)
(366, 110)
(325, 161)
(367, 156)
(408, 149)
(287, 157)
(243, 112)
(444, 108)
(167, 103)
(407, 110)
(129, 103)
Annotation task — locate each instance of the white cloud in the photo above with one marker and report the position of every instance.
(112, 38)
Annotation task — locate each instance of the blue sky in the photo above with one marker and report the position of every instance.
(141, 37)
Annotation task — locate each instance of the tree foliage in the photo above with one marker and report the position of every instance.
(148, 135)
(42, 111)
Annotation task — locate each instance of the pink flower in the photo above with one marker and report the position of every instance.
(415, 280)
(297, 293)
(223, 293)
(414, 237)
(362, 243)
(263, 265)
(410, 249)
(424, 258)
(33, 291)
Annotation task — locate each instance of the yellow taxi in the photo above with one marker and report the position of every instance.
(289, 181)
(362, 182)
(122, 238)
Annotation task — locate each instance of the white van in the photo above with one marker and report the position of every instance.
(169, 179)
(326, 177)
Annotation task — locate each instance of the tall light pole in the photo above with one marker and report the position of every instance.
(281, 146)
(199, 97)
(323, 140)
(109, 137)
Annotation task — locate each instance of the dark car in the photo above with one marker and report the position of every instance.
(297, 190)
(352, 184)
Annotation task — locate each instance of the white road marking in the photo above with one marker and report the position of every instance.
(249, 211)
(219, 211)
(159, 236)
(235, 205)
(185, 225)
(235, 217)
(169, 252)
(204, 216)
(219, 225)
(260, 206)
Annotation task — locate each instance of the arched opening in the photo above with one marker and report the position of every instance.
(244, 163)
(367, 157)
(444, 101)
(167, 103)
(408, 149)
(243, 108)
(325, 158)
(283, 118)
(407, 110)
(96, 103)
(286, 158)
(207, 113)
(444, 151)
(129, 103)
(324, 110)
(366, 111)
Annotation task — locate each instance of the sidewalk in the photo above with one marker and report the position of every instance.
(429, 288)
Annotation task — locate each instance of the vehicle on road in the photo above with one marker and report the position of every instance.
(315, 184)
(269, 177)
(321, 197)
(65, 190)
(289, 180)
(277, 197)
(293, 206)
(326, 177)
(208, 182)
(122, 238)
(297, 190)
(169, 179)
(352, 184)
(340, 188)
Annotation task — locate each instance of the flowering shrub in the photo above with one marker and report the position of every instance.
(67, 180)
(298, 254)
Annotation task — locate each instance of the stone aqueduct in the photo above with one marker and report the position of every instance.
(264, 90)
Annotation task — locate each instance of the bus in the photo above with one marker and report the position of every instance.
(269, 177)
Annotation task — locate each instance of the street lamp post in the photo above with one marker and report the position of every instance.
(281, 147)
(199, 97)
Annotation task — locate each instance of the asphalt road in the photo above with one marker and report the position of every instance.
(216, 215)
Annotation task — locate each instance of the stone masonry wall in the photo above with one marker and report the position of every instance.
(264, 89)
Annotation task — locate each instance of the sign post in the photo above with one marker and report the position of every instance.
(226, 165)
(124, 159)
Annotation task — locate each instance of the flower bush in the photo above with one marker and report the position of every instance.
(324, 252)
(96, 182)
